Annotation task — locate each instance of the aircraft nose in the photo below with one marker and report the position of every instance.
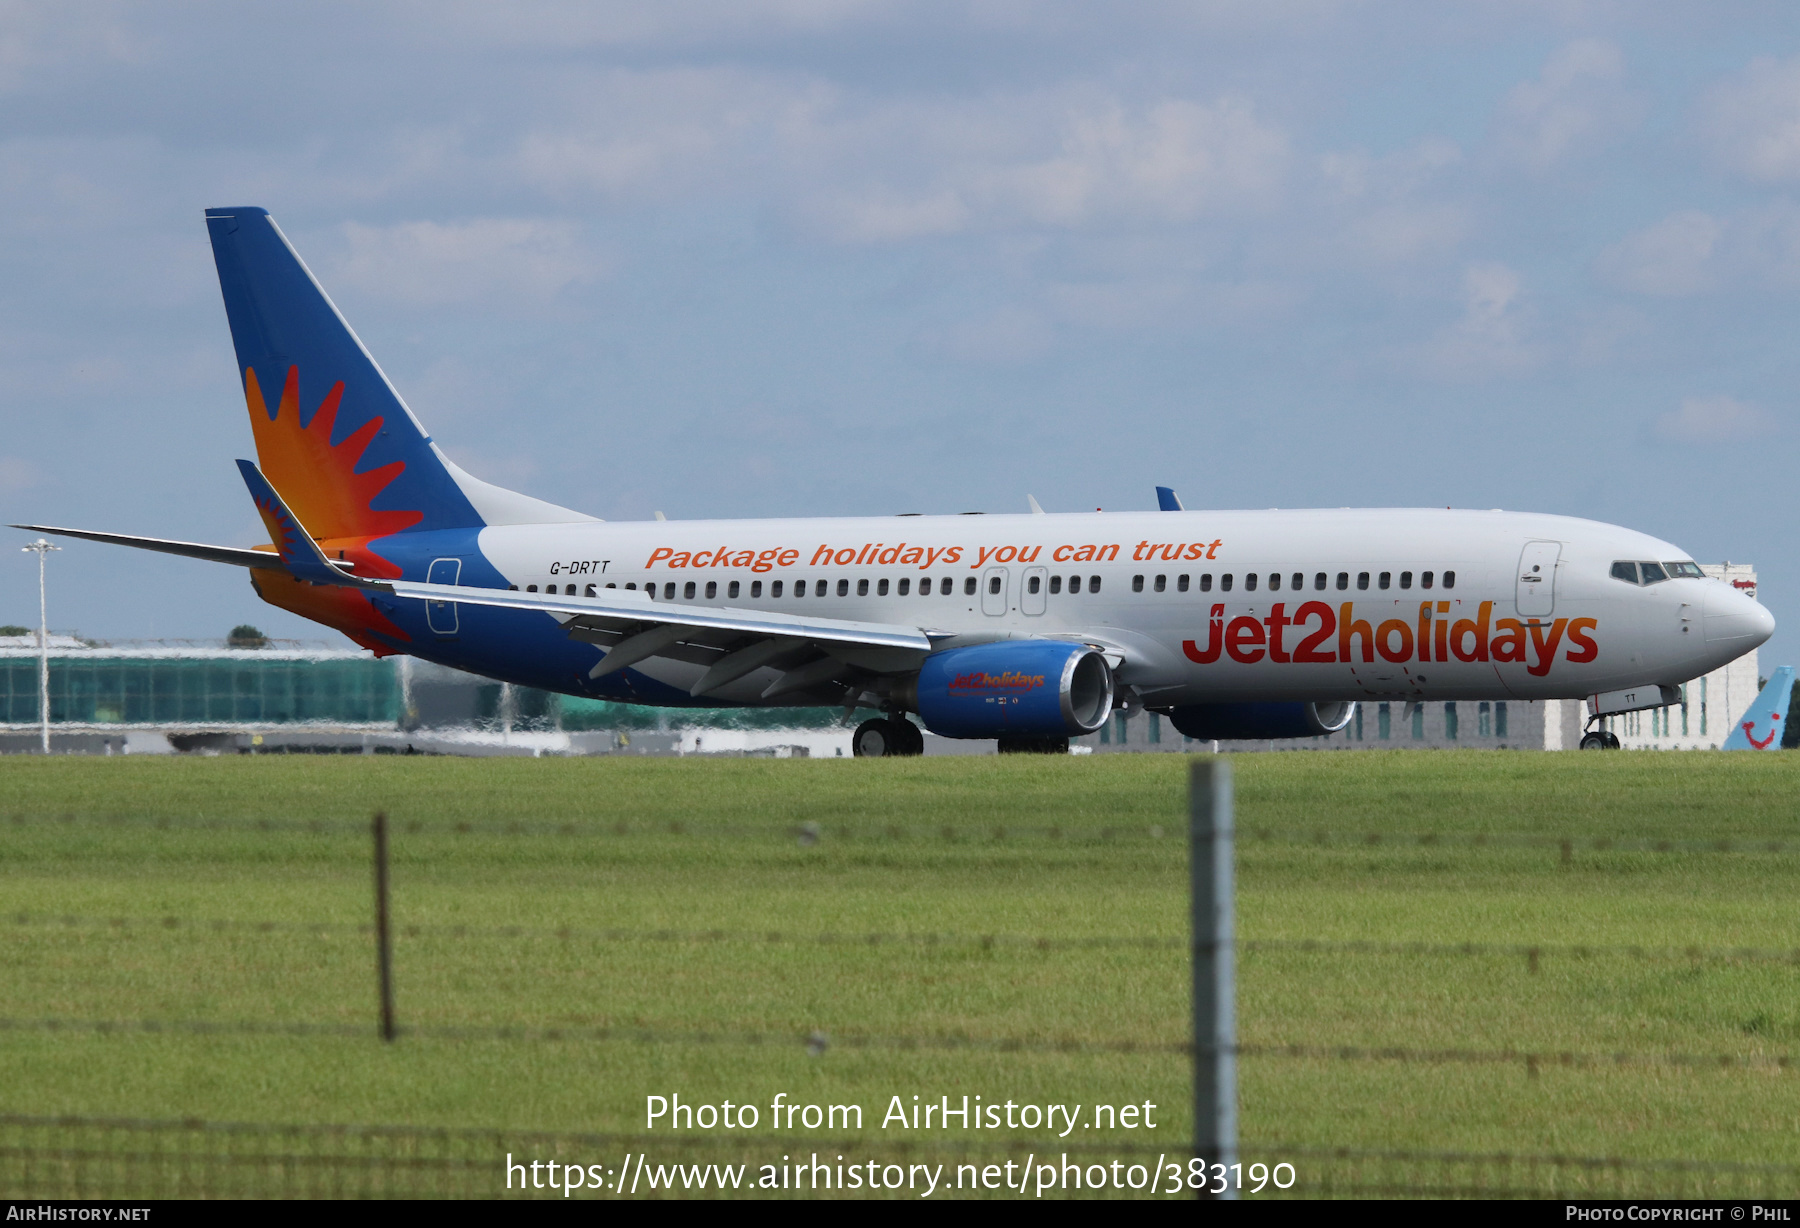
(1735, 621)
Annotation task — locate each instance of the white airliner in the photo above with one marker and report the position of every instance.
(1028, 629)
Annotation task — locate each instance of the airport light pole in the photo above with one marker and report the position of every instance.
(43, 549)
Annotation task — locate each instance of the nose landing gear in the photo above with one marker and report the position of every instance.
(1600, 739)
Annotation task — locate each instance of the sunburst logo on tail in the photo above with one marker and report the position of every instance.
(320, 481)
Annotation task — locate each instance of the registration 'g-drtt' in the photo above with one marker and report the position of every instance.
(1028, 629)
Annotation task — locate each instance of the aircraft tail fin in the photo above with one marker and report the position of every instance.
(1761, 726)
(332, 434)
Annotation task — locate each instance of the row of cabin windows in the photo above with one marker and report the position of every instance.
(821, 588)
(1297, 581)
(945, 585)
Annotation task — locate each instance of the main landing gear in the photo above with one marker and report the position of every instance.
(1600, 739)
(886, 736)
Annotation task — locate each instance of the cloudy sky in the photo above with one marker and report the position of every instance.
(801, 257)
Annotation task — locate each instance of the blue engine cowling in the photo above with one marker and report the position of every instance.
(1015, 688)
(1271, 720)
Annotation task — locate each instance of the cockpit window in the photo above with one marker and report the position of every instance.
(1656, 573)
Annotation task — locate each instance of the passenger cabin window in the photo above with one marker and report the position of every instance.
(862, 588)
(1343, 580)
(1225, 583)
(1362, 579)
(1449, 579)
(669, 591)
(1162, 584)
(531, 588)
(905, 586)
(1031, 586)
(1406, 579)
(1055, 584)
(1384, 580)
(1181, 584)
(1093, 584)
(969, 587)
(732, 592)
(1206, 583)
(1298, 582)
(844, 588)
(712, 589)
(993, 584)
(756, 588)
(569, 590)
(632, 586)
(592, 591)
(775, 588)
(1425, 579)
(1319, 581)
(1250, 583)
(687, 590)
(1275, 582)
(1137, 584)
(799, 588)
(881, 587)
(1074, 584)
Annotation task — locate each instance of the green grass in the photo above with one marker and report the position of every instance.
(1021, 848)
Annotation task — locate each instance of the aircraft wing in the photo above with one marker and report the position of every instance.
(618, 606)
(235, 555)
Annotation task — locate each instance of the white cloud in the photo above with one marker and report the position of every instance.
(996, 164)
(455, 262)
(1490, 338)
(1578, 103)
(1751, 120)
(1672, 257)
(1715, 419)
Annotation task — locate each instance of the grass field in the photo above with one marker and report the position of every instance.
(667, 877)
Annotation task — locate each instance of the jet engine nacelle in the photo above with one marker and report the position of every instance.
(1015, 688)
(1261, 720)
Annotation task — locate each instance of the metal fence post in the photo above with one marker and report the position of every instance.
(1215, 983)
(384, 961)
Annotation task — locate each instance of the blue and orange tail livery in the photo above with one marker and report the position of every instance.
(1761, 727)
(331, 433)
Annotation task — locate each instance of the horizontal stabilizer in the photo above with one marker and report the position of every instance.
(235, 555)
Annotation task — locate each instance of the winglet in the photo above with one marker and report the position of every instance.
(1761, 726)
(296, 547)
(1167, 500)
(1036, 510)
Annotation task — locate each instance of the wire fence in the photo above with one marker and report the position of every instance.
(105, 1158)
(1566, 845)
(100, 1158)
(1533, 955)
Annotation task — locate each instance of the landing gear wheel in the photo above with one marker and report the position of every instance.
(885, 737)
(875, 739)
(1593, 741)
(1612, 740)
(1034, 746)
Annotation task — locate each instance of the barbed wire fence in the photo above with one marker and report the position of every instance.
(92, 1157)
